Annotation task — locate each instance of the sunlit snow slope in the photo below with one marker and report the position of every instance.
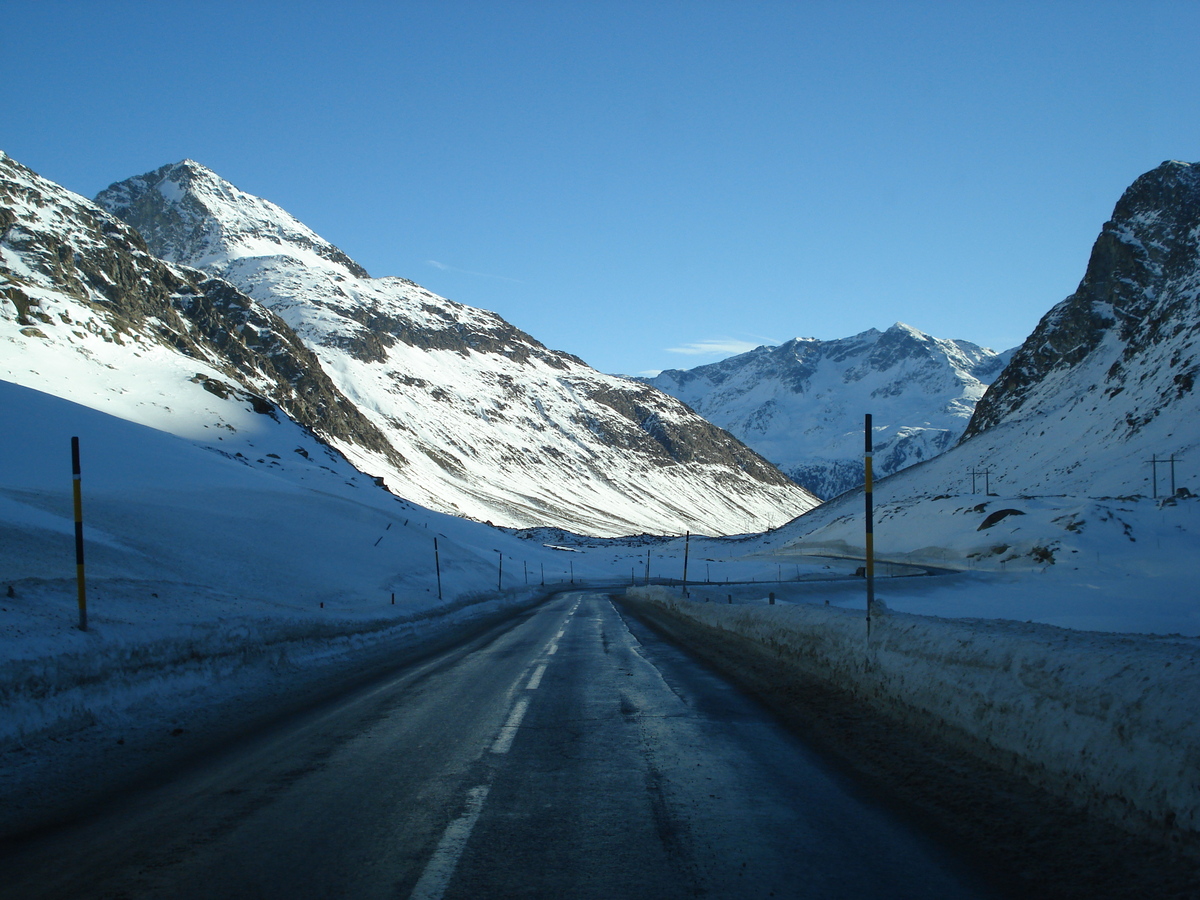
(489, 423)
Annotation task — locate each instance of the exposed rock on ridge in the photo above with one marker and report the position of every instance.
(1134, 314)
(801, 404)
(52, 239)
(494, 425)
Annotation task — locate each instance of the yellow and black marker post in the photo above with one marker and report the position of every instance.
(75, 477)
(437, 565)
(870, 524)
(687, 540)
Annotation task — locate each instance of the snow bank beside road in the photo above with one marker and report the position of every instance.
(1108, 720)
(86, 722)
(115, 673)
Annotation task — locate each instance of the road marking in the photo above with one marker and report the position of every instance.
(561, 631)
(552, 650)
(440, 868)
(509, 730)
(536, 680)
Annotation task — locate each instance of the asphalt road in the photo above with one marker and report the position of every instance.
(569, 753)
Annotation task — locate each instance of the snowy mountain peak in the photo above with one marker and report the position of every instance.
(1126, 341)
(491, 424)
(91, 315)
(1082, 455)
(197, 217)
(801, 404)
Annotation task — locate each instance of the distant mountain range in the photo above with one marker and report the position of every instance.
(1096, 409)
(801, 404)
(182, 302)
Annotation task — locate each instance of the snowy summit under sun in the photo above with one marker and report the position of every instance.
(484, 421)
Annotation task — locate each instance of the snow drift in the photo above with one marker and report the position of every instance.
(1106, 720)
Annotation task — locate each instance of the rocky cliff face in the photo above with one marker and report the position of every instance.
(70, 271)
(491, 424)
(1126, 339)
(802, 404)
(1095, 419)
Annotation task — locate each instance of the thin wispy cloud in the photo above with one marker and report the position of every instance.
(722, 346)
(447, 268)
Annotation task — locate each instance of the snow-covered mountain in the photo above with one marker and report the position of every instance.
(801, 404)
(1106, 381)
(1095, 414)
(482, 420)
(92, 316)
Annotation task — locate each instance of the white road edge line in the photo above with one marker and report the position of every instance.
(536, 680)
(440, 868)
(509, 730)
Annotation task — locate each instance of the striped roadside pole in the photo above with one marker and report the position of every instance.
(437, 564)
(687, 540)
(870, 525)
(75, 478)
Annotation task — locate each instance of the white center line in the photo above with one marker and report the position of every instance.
(440, 868)
(505, 738)
(536, 680)
(553, 648)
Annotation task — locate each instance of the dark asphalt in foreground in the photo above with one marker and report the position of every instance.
(569, 753)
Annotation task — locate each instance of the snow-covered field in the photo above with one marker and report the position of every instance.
(230, 555)
(216, 578)
(204, 561)
(1117, 565)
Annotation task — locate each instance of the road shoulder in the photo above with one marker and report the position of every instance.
(1020, 838)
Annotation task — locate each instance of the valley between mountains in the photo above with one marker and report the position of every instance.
(296, 475)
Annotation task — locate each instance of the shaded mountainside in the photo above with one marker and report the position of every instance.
(1123, 346)
(71, 271)
(492, 424)
(1089, 428)
(801, 404)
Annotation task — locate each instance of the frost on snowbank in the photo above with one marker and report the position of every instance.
(1104, 719)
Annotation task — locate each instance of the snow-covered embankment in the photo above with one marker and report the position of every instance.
(119, 680)
(84, 723)
(1106, 720)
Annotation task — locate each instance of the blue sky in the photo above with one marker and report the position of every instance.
(628, 181)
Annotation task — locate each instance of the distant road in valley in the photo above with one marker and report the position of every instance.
(569, 753)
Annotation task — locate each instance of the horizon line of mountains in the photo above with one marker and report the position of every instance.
(455, 409)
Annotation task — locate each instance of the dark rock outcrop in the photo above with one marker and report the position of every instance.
(94, 257)
(1139, 295)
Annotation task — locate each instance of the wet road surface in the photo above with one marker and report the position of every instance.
(568, 753)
